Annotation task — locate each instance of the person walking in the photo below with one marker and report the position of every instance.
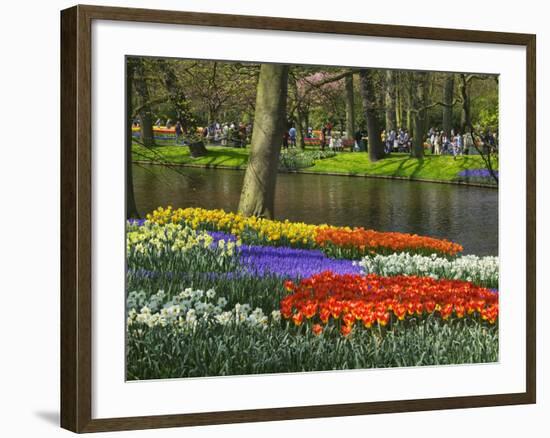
(292, 134)
(358, 140)
(437, 144)
(468, 142)
(225, 134)
(323, 138)
(285, 140)
(178, 131)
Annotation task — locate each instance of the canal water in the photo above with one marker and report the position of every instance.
(466, 215)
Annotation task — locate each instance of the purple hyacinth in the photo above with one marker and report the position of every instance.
(291, 262)
(284, 261)
(220, 235)
(476, 173)
(138, 222)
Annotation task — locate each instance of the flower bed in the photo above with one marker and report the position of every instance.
(346, 299)
(357, 242)
(216, 293)
(338, 242)
(294, 159)
(478, 270)
(481, 176)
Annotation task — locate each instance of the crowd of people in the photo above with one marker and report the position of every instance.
(440, 142)
(436, 140)
(228, 134)
(396, 141)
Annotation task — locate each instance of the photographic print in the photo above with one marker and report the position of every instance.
(296, 218)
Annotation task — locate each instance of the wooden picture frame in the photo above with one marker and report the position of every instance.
(76, 217)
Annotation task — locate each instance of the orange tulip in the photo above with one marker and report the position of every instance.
(345, 330)
(371, 298)
(298, 318)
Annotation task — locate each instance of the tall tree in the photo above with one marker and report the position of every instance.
(215, 87)
(145, 115)
(368, 95)
(298, 108)
(390, 100)
(131, 209)
(258, 192)
(398, 100)
(176, 95)
(409, 83)
(448, 95)
(350, 107)
(419, 110)
(465, 85)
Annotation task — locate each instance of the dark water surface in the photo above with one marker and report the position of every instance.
(467, 215)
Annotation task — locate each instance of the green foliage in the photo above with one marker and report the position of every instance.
(268, 289)
(294, 159)
(488, 118)
(214, 350)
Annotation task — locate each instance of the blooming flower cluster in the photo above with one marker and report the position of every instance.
(304, 286)
(477, 173)
(286, 262)
(478, 270)
(176, 247)
(250, 229)
(482, 176)
(356, 242)
(152, 237)
(339, 242)
(291, 262)
(293, 159)
(189, 308)
(371, 299)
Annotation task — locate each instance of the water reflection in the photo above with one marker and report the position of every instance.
(468, 215)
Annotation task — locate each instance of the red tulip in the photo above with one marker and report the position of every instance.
(345, 330)
(317, 329)
(297, 318)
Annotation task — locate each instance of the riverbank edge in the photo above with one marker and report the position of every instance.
(310, 172)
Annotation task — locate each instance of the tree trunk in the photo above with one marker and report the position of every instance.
(390, 101)
(131, 209)
(145, 116)
(410, 104)
(448, 101)
(350, 108)
(466, 118)
(375, 146)
(417, 150)
(258, 192)
(197, 149)
(419, 101)
(300, 128)
(427, 85)
(398, 111)
(398, 101)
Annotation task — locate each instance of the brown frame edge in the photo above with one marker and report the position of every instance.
(76, 171)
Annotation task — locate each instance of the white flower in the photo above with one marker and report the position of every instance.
(191, 316)
(187, 293)
(276, 315)
(224, 318)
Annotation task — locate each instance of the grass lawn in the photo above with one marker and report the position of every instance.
(217, 155)
(439, 167)
(435, 167)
